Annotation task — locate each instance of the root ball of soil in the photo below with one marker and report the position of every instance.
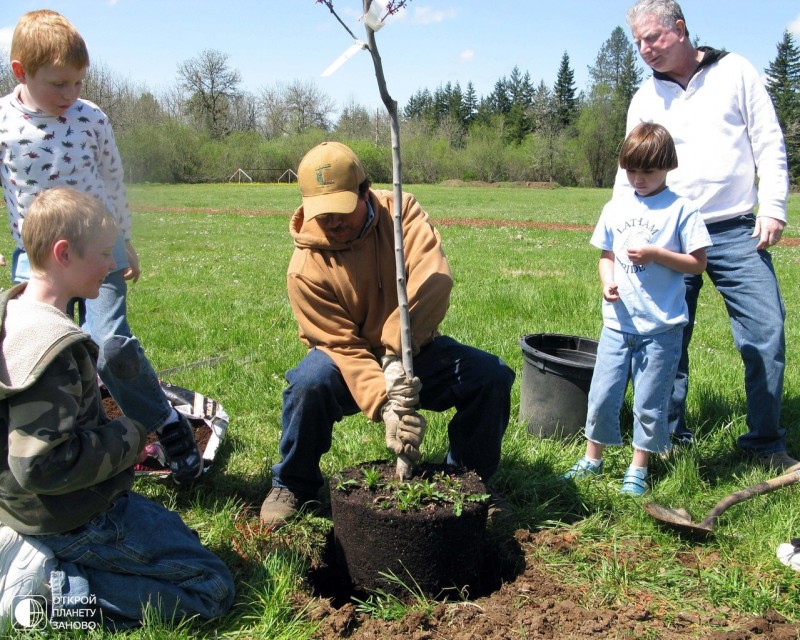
(432, 545)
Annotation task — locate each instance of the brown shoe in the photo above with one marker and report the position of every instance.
(279, 506)
(780, 461)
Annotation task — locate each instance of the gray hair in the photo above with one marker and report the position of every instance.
(668, 12)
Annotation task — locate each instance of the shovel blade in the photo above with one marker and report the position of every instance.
(676, 518)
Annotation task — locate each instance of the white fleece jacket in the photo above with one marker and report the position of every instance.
(726, 133)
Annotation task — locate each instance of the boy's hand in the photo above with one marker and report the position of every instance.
(642, 255)
(610, 292)
(133, 271)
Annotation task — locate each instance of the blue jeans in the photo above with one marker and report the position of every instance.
(649, 362)
(134, 553)
(122, 364)
(476, 383)
(746, 281)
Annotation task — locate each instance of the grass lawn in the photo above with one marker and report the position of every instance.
(213, 284)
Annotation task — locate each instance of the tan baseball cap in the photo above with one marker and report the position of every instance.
(329, 176)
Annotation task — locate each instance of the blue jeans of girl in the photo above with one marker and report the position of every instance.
(650, 363)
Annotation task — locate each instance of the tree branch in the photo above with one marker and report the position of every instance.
(329, 4)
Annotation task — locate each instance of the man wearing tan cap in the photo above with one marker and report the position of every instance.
(342, 288)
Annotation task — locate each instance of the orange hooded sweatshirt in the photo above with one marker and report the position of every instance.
(344, 296)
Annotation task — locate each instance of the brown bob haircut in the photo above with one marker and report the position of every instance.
(648, 146)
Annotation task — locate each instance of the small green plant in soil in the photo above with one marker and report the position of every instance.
(388, 605)
(412, 495)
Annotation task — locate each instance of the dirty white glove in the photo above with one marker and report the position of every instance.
(400, 389)
(404, 433)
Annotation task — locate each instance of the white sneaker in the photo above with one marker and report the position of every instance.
(25, 565)
(789, 554)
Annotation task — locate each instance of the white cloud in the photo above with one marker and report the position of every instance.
(427, 15)
(5, 38)
(794, 26)
(466, 55)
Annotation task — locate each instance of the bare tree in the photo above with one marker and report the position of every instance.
(212, 86)
(111, 92)
(356, 121)
(7, 79)
(173, 102)
(295, 107)
(146, 110)
(244, 112)
(308, 106)
(274, 112)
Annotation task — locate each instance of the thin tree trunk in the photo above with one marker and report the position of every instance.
(404, 465)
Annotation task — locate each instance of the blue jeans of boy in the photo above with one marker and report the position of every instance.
(476, 383)
(746, 280)
(136, 553)
(650, 363)
(122, 364)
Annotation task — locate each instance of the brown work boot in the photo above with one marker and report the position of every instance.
(781, 462)
(279, 506)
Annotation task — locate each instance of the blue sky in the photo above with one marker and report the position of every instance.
(272, 42)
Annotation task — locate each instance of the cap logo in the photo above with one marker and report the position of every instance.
(320, 178)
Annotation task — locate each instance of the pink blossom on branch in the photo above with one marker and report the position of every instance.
(392, 7)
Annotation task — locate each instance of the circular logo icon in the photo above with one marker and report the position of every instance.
(31, 612)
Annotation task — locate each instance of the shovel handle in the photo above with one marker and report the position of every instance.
(747, 493)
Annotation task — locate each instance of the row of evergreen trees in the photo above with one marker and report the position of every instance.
(597, 119)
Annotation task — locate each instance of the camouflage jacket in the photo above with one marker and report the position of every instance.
(62, 461)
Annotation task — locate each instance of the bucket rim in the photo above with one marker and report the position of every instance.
(527, 349)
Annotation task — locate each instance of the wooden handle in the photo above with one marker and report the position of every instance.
(754, 490)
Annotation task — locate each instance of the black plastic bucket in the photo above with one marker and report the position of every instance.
(556, 375)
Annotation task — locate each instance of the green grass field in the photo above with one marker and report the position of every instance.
(213, 284)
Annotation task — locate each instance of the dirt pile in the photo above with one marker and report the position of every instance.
(537, 604)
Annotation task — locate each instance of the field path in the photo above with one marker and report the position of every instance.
(442, 222)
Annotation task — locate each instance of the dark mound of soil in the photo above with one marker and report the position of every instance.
(429, 531)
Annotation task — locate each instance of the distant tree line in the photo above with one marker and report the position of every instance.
(206, 127)
(783, 84)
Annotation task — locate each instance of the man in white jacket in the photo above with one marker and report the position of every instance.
(727, 134)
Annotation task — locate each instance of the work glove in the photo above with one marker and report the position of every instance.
(400, 389)
(404, 433)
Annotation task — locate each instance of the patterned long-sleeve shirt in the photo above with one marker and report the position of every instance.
(39, 151)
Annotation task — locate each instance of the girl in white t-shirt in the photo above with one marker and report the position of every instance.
(648, 239)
